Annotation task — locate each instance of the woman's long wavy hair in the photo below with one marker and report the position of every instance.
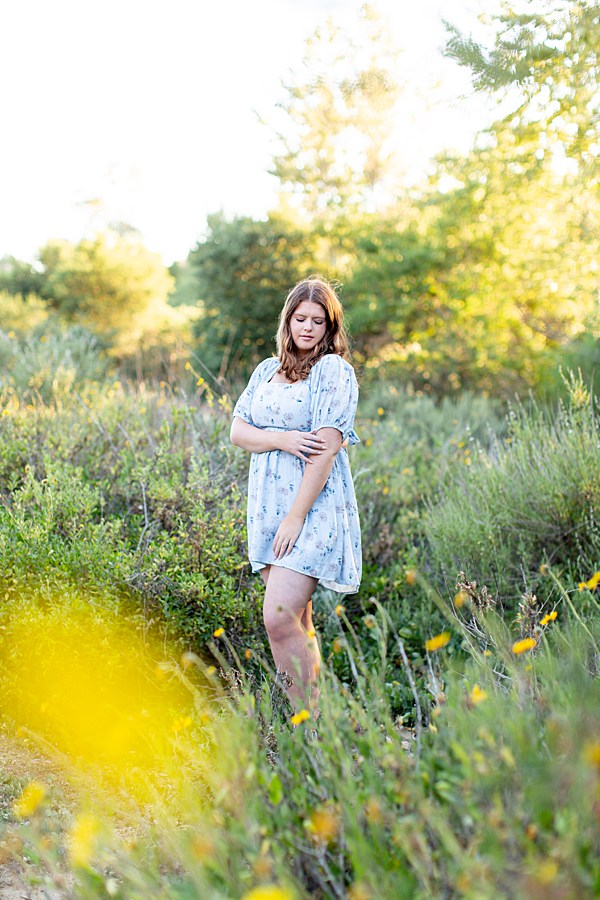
(335, 340)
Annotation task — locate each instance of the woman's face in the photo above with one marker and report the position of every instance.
(308, 325)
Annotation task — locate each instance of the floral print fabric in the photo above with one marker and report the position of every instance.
(328, 547)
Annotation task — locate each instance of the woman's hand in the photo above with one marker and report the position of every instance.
(302, 444)
(287, 534)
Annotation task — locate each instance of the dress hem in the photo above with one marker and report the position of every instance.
(329, 585)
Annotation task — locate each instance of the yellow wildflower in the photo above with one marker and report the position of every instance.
(460, 599)
(544, 569)
(369, 621)
(524, 645)
(218, 632)
(437, 642)
(380, 410)
(248, 654)
(477, 695)
(592, 584)
(340, 609)
(549, 617)
(324, 824)
(299, 717)
(83, 838)
(337, 646)
(211, 670)
(188, 366)
(411, 576)
(591, 754)
(29, 801)
(269, 892)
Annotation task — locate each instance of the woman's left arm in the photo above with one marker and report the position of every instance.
(313, 481)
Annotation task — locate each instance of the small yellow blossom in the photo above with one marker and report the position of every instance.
(29, 801)
(188, 366)
(460, 599)
(248, 654)
(410, 576)
(544, 569)
(210, 670)
(380, 410)
(300, 717)
(218, 632)
(181, 723)
(340, 609)
(370, 622)
(324, 824)
(549, 617)
(337, 646)
(437, 642)
(591, 754)
(269, 892)
(83, 838)
(592, 584)
(368, 442)
(524, 645)
(477, 695)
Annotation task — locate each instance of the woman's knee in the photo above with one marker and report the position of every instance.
(280, 622)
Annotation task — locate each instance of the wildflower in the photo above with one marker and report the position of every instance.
(323, 824)
(269, 892)
(337, 646)
(460, 599)
(368, 442)
(248, 654)
(83, 837)
(218, 632)
(477, 695)
(369, 621)
(437, 642)
(410, 576)
(373, 812)
(181, 723)
(380, 410)
(299, 717)
(549, 617)
(386, 490)
(210, 670)
(29, 801)
(340, 609)
(592, 584)
(524, 645)
(188, 366)
(544, 569)
(591, 754)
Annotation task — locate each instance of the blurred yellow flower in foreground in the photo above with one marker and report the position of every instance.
(411, 576)
(248, 654)
(29, 801)
(323, 824)
(299, 717)
(340, 609)
(83, 838)
(477, 695)
(218, 632)
(591, 754)
(460, 599)
(592, 584)
(524, 645)
(437, 642)
(549, 617)
(269, 892)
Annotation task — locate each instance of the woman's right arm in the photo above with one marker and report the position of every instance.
(302, 444)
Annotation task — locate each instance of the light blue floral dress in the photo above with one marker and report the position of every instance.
(328, 547)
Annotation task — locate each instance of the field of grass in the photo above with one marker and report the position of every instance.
(457, 753)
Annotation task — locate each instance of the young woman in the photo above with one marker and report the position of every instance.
(296, 417)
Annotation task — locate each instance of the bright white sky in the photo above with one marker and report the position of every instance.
(151, 106)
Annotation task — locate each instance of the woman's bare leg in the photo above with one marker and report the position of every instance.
(286, 613)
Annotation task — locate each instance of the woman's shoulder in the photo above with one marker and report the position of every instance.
(267, 366)
(332, 362)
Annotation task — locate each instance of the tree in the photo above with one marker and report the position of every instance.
(549, 52)
(244, 269)
(335, 152)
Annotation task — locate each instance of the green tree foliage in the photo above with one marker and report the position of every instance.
(244, 269)
(551, 53)
(335, 151)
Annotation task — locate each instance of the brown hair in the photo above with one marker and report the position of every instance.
(315, 290)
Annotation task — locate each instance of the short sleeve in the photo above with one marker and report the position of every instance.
(262, 372)
(334, 396)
